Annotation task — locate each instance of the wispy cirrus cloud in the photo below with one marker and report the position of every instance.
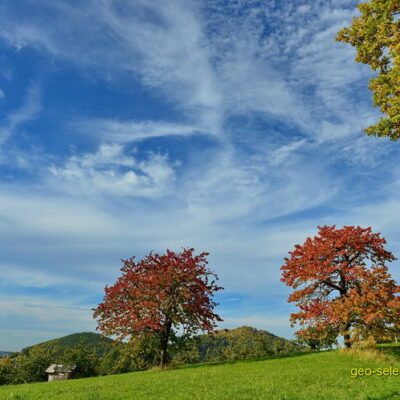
(233, 62)
(39, 319)
(124, 131)
(161, 43)
(111, 171)
(29, 110)
(223, 65)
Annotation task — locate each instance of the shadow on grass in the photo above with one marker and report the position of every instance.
(385, 396)
(391, 351)
(249, 360)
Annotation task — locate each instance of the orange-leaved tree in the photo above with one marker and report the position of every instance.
(160, 295)
(342, 285)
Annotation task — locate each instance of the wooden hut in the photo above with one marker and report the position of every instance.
(58, 372)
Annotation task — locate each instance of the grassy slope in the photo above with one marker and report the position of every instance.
(308, 376)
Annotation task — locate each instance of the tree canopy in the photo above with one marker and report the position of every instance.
(342, 285)
(376, 36)
(160, 294)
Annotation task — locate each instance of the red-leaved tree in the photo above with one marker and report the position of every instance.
(342, 285)
(159, 295)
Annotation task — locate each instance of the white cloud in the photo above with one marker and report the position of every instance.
(131, 131)
(168, 54)
(42, 311)
(111, 171)
(37, 320)
(17, 339)
(28, 111)
(25, 277)
(212, 66)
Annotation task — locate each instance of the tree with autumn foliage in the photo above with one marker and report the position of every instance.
(158, 296)
(342, 286)
(376, 36)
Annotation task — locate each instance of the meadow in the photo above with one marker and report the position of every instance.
(323, 375)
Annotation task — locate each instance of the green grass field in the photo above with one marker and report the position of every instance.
(323, 375)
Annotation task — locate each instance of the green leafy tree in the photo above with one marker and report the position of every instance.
(143, 349)
(85, 360)
(279, 346)
(246, 342)
(31, 367)
(313, 339)
(187, 351)
(376, 36)
(7, 370)
(243, 343)
(119, 360)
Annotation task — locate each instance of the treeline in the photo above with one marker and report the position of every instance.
(94, 356)
(242, 343)
(27, 367)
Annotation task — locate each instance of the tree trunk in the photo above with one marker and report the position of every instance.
(343, 293)
(347, 342)
(164, 339)
(346, 337)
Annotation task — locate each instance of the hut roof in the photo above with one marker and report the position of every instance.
(58, 368)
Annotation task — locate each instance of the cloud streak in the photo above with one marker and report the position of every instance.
(29, 110)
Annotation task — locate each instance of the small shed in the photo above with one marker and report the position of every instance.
(58, 372)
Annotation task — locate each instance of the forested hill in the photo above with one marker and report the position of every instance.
(241, 343)
(89, 340)
(226, 344)
(4, 353)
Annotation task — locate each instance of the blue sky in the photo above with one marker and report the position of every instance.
(234, 127)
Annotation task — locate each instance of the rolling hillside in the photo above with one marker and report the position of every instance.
(228, 344)
(316, 376)
(91, 341)
(242, 343)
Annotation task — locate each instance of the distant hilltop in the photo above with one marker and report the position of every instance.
(4, 353)
(224, 344)
(89, 340)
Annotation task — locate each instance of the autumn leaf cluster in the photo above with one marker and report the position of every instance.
(158, 293)
(342, 284)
